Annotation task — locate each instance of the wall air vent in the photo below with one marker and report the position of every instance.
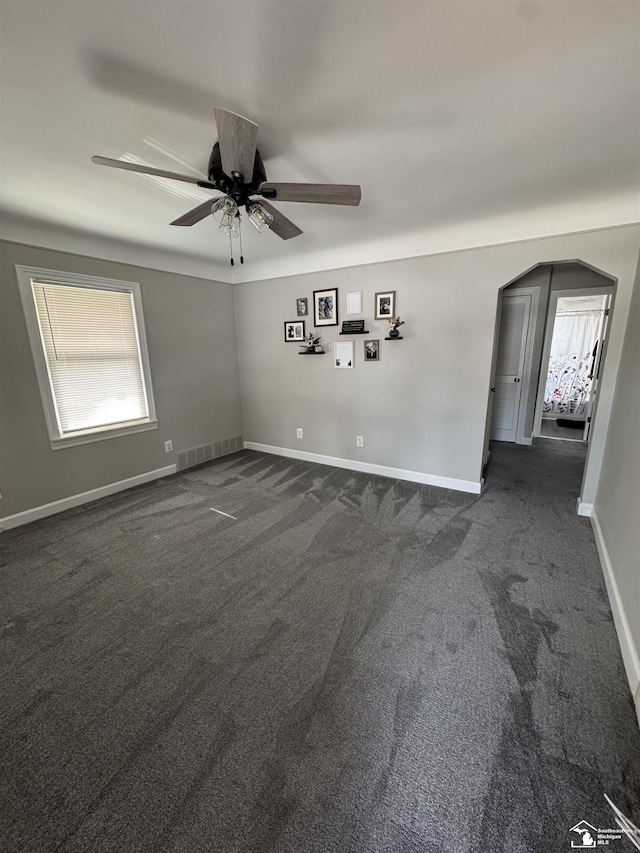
(207, 452)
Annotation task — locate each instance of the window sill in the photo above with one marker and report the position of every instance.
(77, 438)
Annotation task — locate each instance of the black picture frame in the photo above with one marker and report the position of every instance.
(325, 307)
(294, 331)
(302, 306)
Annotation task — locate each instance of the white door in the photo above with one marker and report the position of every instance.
(507, 385)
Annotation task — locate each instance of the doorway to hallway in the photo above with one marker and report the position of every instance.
(549, 351)
(546, 391)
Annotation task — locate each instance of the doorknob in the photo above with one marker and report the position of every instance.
(517, 379)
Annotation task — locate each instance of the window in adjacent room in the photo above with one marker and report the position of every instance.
(89, 348)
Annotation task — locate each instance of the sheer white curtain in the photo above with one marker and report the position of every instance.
(575, 337)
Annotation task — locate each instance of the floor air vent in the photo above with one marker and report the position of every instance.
(207, 452)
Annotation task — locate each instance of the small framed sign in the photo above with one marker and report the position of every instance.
(294, 331)
(353, 327)
(385, 305)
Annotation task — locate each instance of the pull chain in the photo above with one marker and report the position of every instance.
(230, 247)
(240, 235)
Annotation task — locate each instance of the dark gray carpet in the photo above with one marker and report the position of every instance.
(350, 664)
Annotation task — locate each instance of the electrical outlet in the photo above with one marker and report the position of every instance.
(359, 441)
(299, 433)
(168, 446)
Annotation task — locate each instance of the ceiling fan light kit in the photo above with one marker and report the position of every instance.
(259, 217)
(236, 169)
(226, 214)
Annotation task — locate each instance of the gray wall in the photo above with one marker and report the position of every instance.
(617, 503)
(192, 349)
(575, 276)
(423, 406)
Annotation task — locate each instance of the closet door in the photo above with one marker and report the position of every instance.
(507, 385)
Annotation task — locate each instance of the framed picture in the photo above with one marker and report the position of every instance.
(354, 302)
(294, 330)
(343, 354)
(325, 307)
(302, 307)
(385, 306)
(372, 350)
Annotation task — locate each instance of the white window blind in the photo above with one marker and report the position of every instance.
(92, 352)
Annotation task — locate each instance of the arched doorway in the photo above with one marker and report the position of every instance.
(527, 399)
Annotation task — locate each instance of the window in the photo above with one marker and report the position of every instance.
(89, 348)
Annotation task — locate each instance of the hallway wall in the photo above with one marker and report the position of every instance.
(617, 503)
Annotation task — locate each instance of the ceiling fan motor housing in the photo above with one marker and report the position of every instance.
(240, 192)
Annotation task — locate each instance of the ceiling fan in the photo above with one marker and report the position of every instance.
(236, 170)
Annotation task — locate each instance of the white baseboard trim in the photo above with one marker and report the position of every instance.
(84, 497)
(370, 468)
(584, 509)
(630, 654)
(528, 440)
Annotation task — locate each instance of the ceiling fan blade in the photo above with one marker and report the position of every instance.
(281, 226)
(237, 137)
(315, 193)
(195, 215)
(147, 170)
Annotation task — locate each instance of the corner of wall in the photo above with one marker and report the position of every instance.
(630, 654)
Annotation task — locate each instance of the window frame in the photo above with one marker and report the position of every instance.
(58, 440)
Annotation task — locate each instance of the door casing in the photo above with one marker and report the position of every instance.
(554, 296)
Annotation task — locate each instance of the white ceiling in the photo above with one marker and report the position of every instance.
(466, 123)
